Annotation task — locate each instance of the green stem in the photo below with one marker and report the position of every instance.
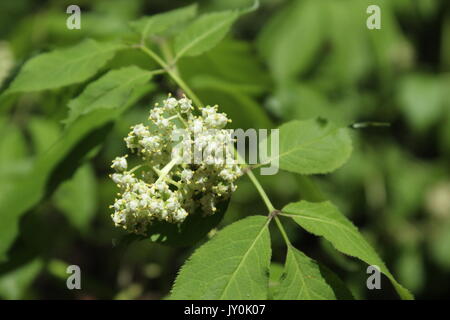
(158, 71)
(154, 56)
(261, 191)
(164, 171)
(183, 85)
(167, 54)
(136, 168)
(173, 75)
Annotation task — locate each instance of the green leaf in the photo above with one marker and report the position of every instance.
(302, 279)
(204, 33)
(13, 146)
(310, 147)
(158, 23)
(53, 166)
(77, 199)
(220, 64)
(276, 272)
(109, 92)
(64, 67)
(291, 40)
(234, 264)
(301, 101)
(14, 158)
(44, 132)
(324, 219)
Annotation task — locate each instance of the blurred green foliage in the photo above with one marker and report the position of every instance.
(293, 59)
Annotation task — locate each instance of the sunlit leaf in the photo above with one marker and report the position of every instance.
(234, 264)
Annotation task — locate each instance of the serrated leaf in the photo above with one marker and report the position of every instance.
(158, 23)
(52, 167)
(234, 264)
(324, 219)
(110, 91)
(310, 147)
(204, 33)
(64, 67)
(302, 279)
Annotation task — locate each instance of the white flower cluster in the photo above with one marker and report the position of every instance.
(167, 188)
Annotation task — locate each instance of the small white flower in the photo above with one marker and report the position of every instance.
(119, 204)
(156, 114)
(140, 130)
(180, 215)
(150, 143)
(172, 204)
(120, 164)
(131, 142)
(128, 179)
(119, 218)
(226, 174)
(186, 175)
(171, 103)
(185, 105)
(197, 126)
(133, 205)
(156, 205)
(163, 123)
(162, 187)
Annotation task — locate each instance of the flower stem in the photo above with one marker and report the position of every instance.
(164, 171)
(172, 74)
(261, 191)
